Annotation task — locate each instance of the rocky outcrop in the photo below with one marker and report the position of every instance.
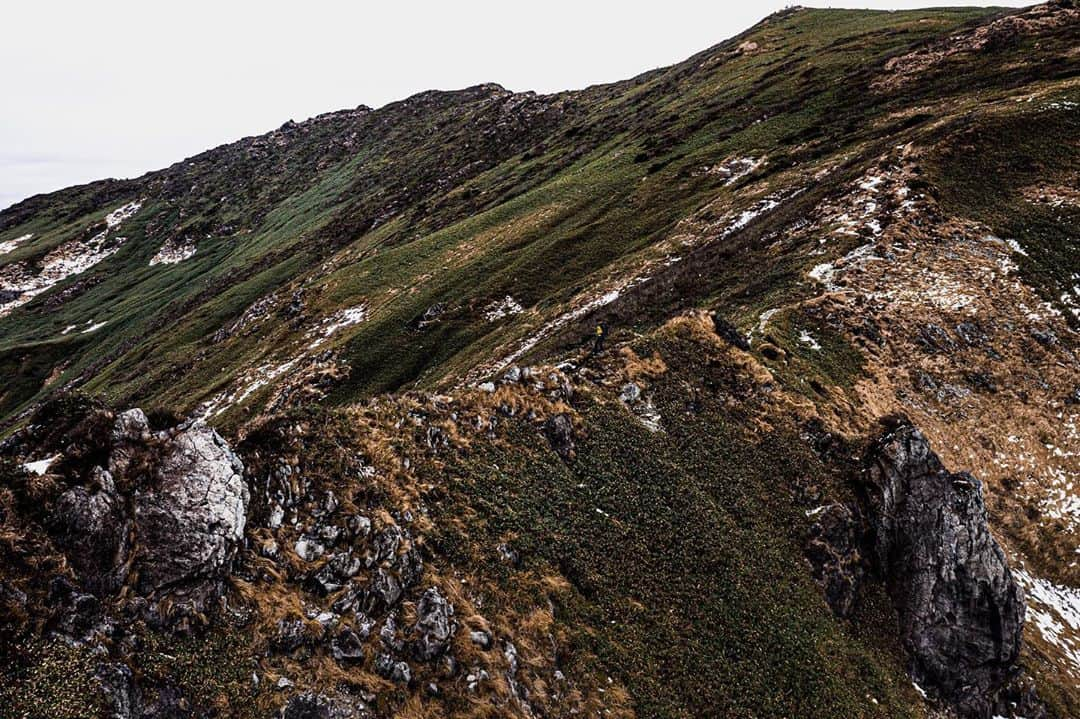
(189, 520)
(960, 611)
(166, 516)
(94, 530)
(835, 554)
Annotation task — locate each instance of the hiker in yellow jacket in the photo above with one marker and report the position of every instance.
(598, 341)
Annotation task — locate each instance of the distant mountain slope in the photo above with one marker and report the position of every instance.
(836, 217)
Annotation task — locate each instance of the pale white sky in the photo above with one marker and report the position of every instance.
(114, 88)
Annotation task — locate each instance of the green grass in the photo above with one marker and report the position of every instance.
(683, 552)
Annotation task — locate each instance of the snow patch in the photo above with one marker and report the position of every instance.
(502, 308)
(1015, 247)
(340, 319)
(71, 258)
(41, 466)
(808, 339)
(172, 253)
(1054, 610)
(9, 245)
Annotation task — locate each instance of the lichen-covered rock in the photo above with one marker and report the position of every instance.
(191, 518)
(833, 549)
(960, 610)
(93, 530)
(319, 706)
(560, 433)
(433, 625)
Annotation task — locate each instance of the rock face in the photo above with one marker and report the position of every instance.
(94, 532)
(171, 506)
(960, 610)
(433, 625)
(192, 516)
(835, 554)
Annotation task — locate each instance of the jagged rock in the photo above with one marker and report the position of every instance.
(388, 635)
(309, 548)
(410, 568)
(630, 393)
(481, 639)
(119, 693)
(560, 432)
(385, 544)
(971, 333)
(353, 597)
(386, 667)
(336, 573)
(935, 339)
(1046, 337)
(191, 517)
(289, 635)
(130, 431)
(93, 530)
(433, 625)
(1019, 699)
(961, 613)
(359, 525)
(347, 647)
(384, 590)
(310, 705)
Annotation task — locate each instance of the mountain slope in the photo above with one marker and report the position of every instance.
(878, 213)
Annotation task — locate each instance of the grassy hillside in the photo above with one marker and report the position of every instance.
(832, 218)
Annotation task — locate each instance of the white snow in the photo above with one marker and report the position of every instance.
(254, 380)
(8, 245)
(502, 308)
(340, 319)
(41, 466)
(1054, 610)
(172, 253)
(807, 339)
(736, 168)
(825, 273)
(115, 218)
(71, 258)
(94, 326)
(871, 183)
(763, 319)
(1015, 247)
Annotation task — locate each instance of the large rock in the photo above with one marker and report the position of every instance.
(434, 625)
(191, 517)
(960, 611)
(93, 529)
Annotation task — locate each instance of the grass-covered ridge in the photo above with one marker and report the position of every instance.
(454, 200)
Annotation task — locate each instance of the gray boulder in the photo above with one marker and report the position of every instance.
(191, 518)
(960, 610)
(93, 531)
(433, 625)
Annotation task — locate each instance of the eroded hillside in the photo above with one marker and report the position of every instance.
(837, 234)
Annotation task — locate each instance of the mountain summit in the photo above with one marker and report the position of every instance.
(745, 387)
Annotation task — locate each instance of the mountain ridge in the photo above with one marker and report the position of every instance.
(836, 229)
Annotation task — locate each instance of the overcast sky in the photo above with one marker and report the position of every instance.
(114, 88)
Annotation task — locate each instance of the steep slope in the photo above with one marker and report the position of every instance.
(877, 210)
